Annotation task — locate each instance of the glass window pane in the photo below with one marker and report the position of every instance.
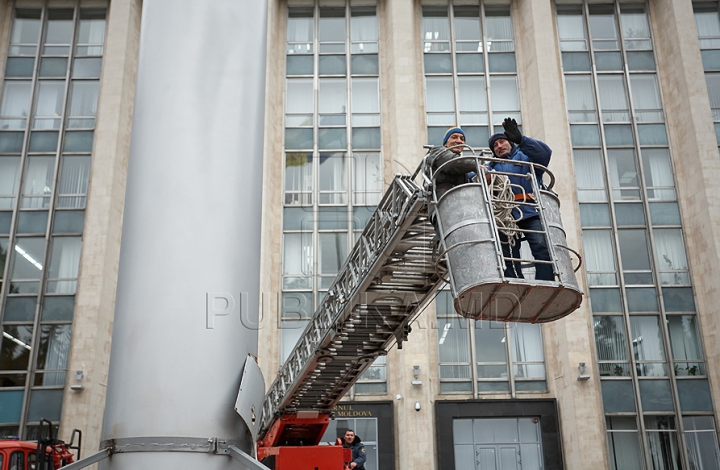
(83, 101)
(702, 442)
(490, 342)
(91, 31)
(504, 96)
(34, 222)
(17, 67)
(594, 215)
(642, 299)
(658, 174)
(655, 395)
(332, 96)
(576, 61)
(670, 250)
(589, 175)
(9, 171)
(331, 26)
(438, 63)
(623, 173)
(299, 65)
(684, 340)
(472, 94)
(28, 258)
(664, 213)
(298, 138)
(45, 404)
(678, 299)
(439, 95)
(59, 26)
(297, 218)
(332, 252)
(365, 95)
(53, 66)
(298, 175)
(38, 182)
(469, 63)
(364, 64)
(613, 99)
(605, 300)
(453, 343)
(20, 309)
(623, 447)
(78, 141)
(694, 395)
(87, 68)
(11, 142)
(641, 60)
(298, 255)
(610, 338)
(332, 138)
(599, 257)
(652, 134)
(11, 410)
(45, 141)
(502, 62)
(332, 65)
(647, 338)
(585, 135)
(58, 308)
(629, 214)
(617, 396)
(15, 104)
(618, 135)
(366, 138)
(608, 61)
(15, 347)
(299, 96)
(332, 218)
(645, 92)
(73, 184)
(580, 98)
(53, 349)
(26, 27)
(65, 260)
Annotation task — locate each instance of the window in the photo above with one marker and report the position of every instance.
(707, 21)
(635, 259)
(508, 357)
(333, 163)
(47, 119)
(470, 70)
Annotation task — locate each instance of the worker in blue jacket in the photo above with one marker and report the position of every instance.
(512, 146)
(350, 440)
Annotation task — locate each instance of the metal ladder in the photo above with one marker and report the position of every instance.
(388, 278)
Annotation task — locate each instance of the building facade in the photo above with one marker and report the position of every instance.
(626, 95)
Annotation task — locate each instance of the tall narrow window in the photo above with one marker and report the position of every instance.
(333, 163)
(47, 120)
(470, 70)
(639, 281)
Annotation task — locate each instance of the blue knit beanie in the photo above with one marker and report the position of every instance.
(494, 138)
(451, 131)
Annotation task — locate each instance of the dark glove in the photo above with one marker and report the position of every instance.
(512, 132)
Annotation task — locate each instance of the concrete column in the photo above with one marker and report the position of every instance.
(403, 129)
(568, 341)
(697, 164)
(188, 283)
(95, 299)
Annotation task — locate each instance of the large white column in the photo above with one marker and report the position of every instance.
(188, 284)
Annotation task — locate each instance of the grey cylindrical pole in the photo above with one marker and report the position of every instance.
(188, 282)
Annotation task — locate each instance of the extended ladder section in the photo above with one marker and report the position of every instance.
(388, 278)
(391, 274)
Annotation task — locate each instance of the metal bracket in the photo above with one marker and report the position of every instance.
(211, 445)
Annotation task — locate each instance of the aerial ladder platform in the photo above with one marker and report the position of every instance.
(413, 244)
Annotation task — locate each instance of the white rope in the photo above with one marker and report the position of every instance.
(503, 205)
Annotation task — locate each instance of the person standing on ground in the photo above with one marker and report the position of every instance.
(351, 441)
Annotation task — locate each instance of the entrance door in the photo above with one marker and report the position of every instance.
(497, 444)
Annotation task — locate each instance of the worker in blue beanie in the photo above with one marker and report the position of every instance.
(512, 146)
(454, 174)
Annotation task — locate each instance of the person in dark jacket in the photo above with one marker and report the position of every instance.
(453, 174)
(512, 146)
(350, 440)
